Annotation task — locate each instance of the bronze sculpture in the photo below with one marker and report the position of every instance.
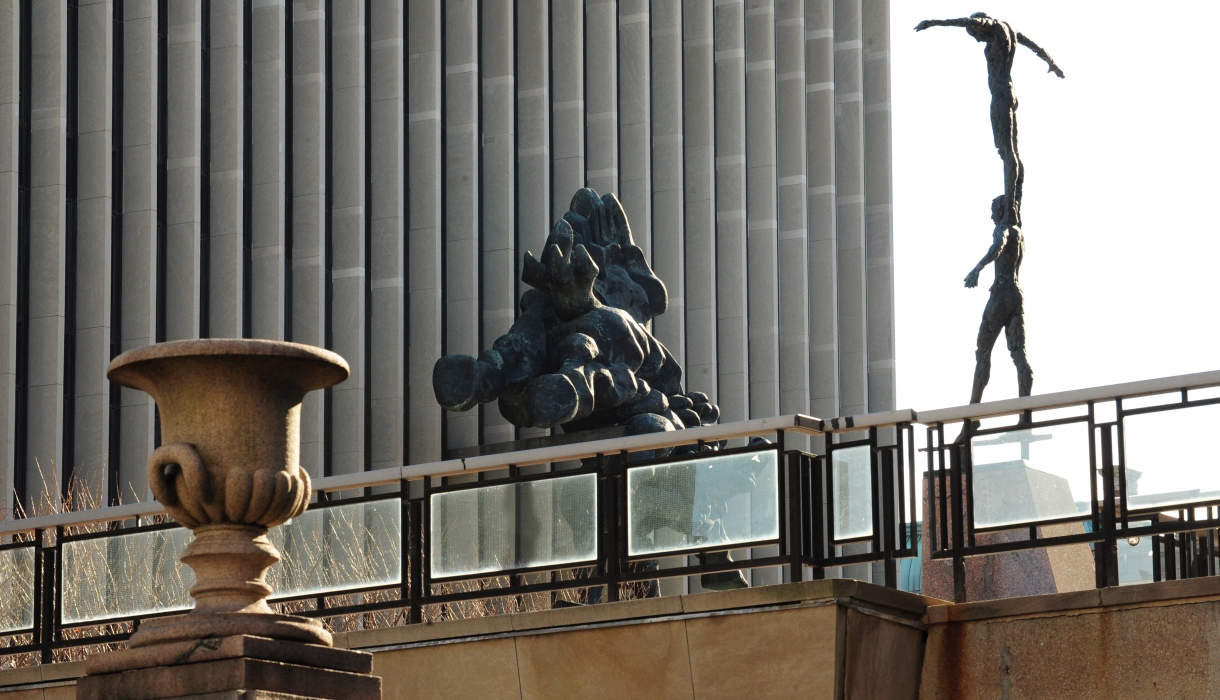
(1005, 308)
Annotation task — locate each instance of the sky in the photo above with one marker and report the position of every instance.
(1121, 274)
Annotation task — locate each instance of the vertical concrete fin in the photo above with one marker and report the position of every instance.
(820, 201)
(386, 260)
(732, 342)
(849, 197)
(48, 254)
(184, 225)
(878, 201)
(601, 96)
(567, 104)
(762, 262)
(309, 207)
(10, 57)
(699, 202)
(226, 174)
(462, 196)
(665, 154)
(268, 177)
(792, 216)
(635, 111)
(349, 255)
(497, 190)
(425, 248)
(95, 117)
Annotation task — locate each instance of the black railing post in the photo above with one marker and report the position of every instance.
(817, 514)
(958, 545)
(608, 481)
(40, 589)
(796, 570)
(1107, 558)
(888, 521)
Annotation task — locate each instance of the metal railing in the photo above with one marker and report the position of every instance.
(612, 517)
(1110, 468)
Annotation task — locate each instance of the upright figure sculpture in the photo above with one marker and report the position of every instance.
(1005, 309)
(1001, 48)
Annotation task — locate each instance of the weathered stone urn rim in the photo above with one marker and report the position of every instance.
(228, 347)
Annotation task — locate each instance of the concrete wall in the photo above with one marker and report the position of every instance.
(1157, 640)
(369, 180)
(834, 639)
(827, 639)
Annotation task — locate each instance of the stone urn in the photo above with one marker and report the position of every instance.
(228, 469)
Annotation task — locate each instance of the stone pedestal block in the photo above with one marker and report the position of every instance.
(238, 667)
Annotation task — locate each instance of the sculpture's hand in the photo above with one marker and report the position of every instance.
(924, 25)
(1055, 69)
(972, 279)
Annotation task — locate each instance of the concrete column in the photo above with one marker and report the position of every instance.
(139, 317)
(849, 184)
(732, 340)
(227, 176)
(183, 224)
(48, 243)
(533, 128)
(10, 40)
(95, 110)
(309, 206)
(601, 96)
(761, 217)
(666, 180)
(349, 256)
(461, 199)
(425, 246)
(820, 198)
(791, 184)
(268, 111)
(635, 115)
(699, 203)
(568, 108)
(878, 201)
(498, 192)
(386, 264)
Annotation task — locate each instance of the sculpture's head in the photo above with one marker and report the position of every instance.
(997, 209)
(975, 29)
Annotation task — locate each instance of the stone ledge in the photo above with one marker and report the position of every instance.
(1138, 594)
(893, 602)
(227, 676)
(238, 646)
(45, 673)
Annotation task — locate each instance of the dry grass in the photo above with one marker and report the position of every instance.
(344, 546)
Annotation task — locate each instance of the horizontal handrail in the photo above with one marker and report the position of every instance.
(1074, 397)
(726, 431)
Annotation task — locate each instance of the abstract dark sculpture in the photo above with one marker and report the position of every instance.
(1005, 308)
(580, 355)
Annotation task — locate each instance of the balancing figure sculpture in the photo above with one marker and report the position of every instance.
(1005, 308)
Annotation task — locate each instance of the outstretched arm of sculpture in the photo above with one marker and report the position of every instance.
(959, 22)
(1040, 53)
(998, 241)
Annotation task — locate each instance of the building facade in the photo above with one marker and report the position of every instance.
(366, 175)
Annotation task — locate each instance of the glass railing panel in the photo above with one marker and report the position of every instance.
(125, 575)
(1135, 558)
(16, 589)
(528, 524)
(1028, 475)
(337, 548)
(1171, 456)
(730, 499)
(851, 475)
